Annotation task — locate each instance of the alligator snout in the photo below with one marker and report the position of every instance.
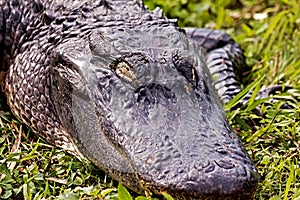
(181, 160)
(210, 179)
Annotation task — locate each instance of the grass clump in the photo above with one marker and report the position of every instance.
(269, 33)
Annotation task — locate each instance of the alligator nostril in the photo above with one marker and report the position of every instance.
(154, 93)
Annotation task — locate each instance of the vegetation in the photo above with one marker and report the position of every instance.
(268, 31)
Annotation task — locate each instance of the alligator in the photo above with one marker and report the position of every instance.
(127, 89)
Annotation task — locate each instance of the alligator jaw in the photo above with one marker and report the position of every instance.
(151, 121)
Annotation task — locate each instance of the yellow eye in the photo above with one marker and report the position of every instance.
(123, 70)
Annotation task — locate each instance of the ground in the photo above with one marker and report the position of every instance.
(269, 33)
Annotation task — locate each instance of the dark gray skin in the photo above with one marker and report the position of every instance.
(130, 91)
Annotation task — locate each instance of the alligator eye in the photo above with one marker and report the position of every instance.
(124, 71)
(185, 64)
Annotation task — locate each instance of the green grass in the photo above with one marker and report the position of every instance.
(269, 33)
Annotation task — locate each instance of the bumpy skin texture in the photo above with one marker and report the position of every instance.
(129, 90)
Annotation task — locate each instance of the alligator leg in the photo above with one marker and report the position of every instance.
(225, 60)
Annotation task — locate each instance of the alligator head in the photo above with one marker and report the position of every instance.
(140, 104)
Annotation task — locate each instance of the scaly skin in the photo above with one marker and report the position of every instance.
(130, 91)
